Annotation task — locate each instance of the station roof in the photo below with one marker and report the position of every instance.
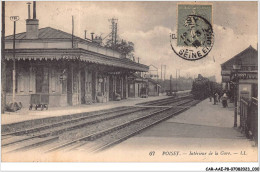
(247, 57)
(74, 54)
(48, 33)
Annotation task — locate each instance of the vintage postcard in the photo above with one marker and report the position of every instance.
(86, 81)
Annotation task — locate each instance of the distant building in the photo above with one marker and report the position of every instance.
(152, 73)
(153, 87)
(135, 83)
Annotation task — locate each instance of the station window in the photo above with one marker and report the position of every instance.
(20, 79)
(42, 80)
(32, 79)
(254, 90)
(89, 79)
(63, 75)
(53, 80)
(9, 80)
(64, 86)
(75, 81)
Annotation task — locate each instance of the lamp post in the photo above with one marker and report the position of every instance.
(236, 67)
(14, 19)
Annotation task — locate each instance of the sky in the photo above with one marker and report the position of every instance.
(148, 25)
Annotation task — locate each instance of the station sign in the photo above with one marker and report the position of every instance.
(14, 18)
(225, 72)
(247, 75)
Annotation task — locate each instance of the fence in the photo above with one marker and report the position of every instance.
(249, 118)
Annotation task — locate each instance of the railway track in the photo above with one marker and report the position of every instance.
(166, 101)
(102, 129)
(67, 125)
(122, 134)
(10, 129)
(67, 132)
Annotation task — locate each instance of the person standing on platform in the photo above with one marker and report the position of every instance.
(224, 100)
(215, 98)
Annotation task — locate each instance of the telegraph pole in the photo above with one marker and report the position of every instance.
(157, 75)
(14, 19)
(161, 72)
(164, 72)
(176, 82)
(177, 70)
(72, 35)
(113, 31)
(179, 77)
(171, 85)
(3, 65)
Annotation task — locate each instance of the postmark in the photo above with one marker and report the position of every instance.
(194, 38)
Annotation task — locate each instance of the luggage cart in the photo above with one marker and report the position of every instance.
(39, 101)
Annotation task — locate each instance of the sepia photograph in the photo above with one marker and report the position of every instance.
(129, 81)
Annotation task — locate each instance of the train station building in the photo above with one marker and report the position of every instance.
(242, 71)
(68, 69)
(240, 81)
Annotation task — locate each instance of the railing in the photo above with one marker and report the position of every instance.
(249, 118)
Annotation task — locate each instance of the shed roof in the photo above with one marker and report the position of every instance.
(153, 81)
(247, 57)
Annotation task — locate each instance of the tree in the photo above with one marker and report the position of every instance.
(126, 48)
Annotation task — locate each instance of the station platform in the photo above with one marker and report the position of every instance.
(25, 114)
(203, 133)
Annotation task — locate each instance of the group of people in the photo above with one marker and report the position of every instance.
(217, 98)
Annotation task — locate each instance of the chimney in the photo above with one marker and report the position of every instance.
(92, 36)
(32, 25)
(97, 40)
(29, 12)
(34, 10)
(85, 34)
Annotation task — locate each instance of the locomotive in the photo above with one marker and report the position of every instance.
(202, 88)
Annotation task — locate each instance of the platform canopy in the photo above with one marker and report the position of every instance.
(74, 54)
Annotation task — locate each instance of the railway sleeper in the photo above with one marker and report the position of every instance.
(58, 132)
(43, 127)
(96, 135)
(137, 131)
(49, 140)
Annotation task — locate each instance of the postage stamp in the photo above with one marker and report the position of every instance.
(194, 38)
